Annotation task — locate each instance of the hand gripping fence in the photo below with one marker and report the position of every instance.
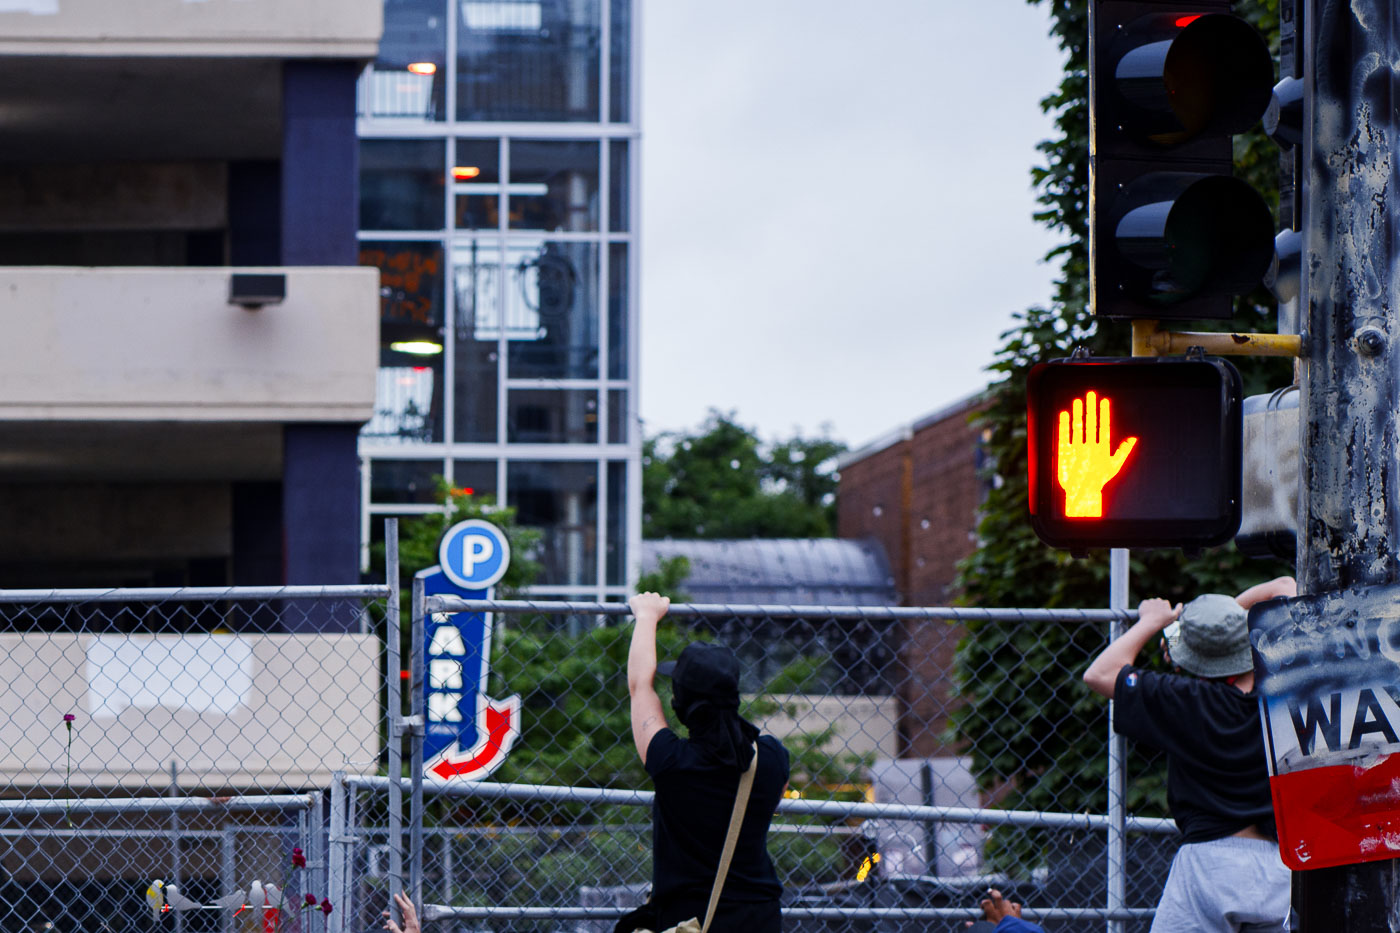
(236, 744)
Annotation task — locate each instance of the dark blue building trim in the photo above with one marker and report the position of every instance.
(320, 508)
(320, 155)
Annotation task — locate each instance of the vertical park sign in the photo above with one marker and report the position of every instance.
(467, 734)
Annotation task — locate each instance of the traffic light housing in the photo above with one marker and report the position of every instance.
(1142, 452)
(1172, 234)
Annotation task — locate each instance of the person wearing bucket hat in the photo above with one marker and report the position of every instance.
(1227, 874)
(697, 780)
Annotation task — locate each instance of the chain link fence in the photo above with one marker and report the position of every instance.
(896, 819)
(179, 736)
(231, 743)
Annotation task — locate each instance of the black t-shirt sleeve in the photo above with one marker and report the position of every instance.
(784, 758)
(662, 752)
(1154, 708)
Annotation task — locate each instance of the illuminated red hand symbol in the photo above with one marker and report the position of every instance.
(1085, 463)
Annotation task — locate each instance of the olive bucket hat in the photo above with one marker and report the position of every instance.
(1211, 639)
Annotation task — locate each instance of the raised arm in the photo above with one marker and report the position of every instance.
(647, 716)
(1153, 616)
(1279, 586)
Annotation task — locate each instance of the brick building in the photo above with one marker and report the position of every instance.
(916, 491)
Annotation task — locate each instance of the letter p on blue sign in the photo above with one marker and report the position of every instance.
(474, 554)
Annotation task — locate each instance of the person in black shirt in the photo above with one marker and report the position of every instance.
(697, 780)
(1227, 874)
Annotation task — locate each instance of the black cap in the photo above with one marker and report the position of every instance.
(704, 667)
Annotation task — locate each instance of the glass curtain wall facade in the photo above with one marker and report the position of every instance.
(498, 172)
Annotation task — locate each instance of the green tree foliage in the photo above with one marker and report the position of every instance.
(1021, 684)
(668, 579)
(722, 481)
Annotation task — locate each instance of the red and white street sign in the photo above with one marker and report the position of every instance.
(1329, 684)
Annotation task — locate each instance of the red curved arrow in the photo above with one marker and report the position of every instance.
(498, 729)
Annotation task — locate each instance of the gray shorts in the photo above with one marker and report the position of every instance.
(1232, 885)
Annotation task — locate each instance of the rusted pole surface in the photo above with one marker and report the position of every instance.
(1348, 508)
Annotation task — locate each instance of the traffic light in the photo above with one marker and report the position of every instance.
(1141, 452)
(1172, 234)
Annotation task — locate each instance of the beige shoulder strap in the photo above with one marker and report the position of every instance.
(736, 820)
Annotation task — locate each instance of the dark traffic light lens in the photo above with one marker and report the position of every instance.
(1218, 75)
(1194, 235)
(1194, 76)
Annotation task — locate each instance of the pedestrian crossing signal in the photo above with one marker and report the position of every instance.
(1134, 453)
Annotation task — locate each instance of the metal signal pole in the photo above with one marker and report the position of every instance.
(1349, 513)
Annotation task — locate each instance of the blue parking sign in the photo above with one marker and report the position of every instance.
(468, 734)
(474, 554)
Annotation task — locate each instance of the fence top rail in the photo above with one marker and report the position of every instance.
(195, 593)
(442, 603)
(491, 790)
(433, 912)
(57, 805)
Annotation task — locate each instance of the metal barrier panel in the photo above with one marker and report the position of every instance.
(892, 822)
(180, 735)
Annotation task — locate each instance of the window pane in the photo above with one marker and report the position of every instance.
(394, 481)
(619, 197)
(527, 60)
(474, 477)
(410, 288)
(560, 499)
(408, 401)
(476, 181)
(476, 275)
(552, 416)
(477, 386)
(551, 310)
(406, 80)
(554, 185)
(620, 80)
(617, 523)
(401, 184)
(618, 416)
(618, 309)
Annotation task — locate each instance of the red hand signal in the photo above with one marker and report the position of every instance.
(1083, 461)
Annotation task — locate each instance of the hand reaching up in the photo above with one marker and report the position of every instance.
(410, 917)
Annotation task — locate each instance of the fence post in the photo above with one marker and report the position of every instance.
(417, 652)
(394, 711)
(339, 840)
(289, 886)
(1116, 847)
(315, 871)
(228, 866)
(175, 833)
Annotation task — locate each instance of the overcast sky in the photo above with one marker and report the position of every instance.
(836, 206)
